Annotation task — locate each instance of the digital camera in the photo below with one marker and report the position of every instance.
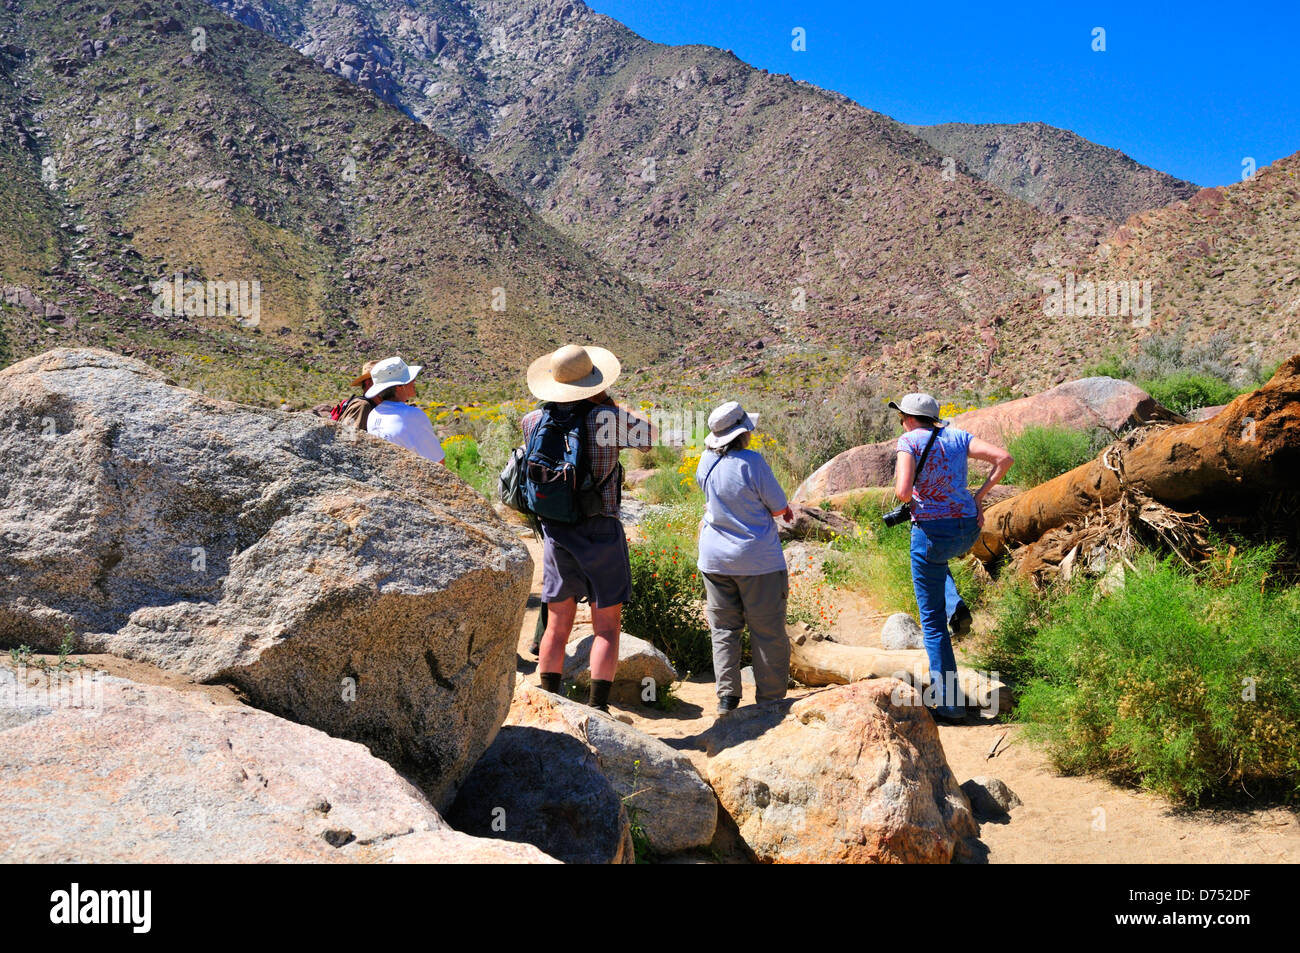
(898, 515)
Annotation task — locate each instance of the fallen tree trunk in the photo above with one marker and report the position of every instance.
(1250, 448)
(828, 663)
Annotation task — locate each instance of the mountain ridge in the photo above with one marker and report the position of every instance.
(1056, 170)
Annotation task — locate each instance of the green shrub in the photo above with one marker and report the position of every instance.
(1019, 610)
(1185, 683)
(665, 486)
(1112, 366)
(1184, 392)
(464, 460)
(1185, 376)
(1043, 453)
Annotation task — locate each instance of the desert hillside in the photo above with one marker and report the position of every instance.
(132, 158)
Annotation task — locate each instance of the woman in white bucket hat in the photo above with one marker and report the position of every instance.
(946, 519)
(741, 561)
(392, 385)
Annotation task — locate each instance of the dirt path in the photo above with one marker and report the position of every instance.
(1061, 819)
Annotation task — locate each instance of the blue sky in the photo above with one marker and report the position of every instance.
(1190, 88)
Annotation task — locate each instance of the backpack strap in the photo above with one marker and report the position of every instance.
(704, 484)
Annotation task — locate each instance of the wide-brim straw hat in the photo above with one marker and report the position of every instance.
(727, 422)
(573, 373)
(363, 380)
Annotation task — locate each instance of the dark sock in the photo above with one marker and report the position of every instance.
(551, 682)
(599, 697)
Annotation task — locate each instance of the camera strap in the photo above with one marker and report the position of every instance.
(934, 432)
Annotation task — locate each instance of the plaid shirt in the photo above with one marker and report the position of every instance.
(606, 431)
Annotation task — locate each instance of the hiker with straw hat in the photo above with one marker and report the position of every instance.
(392, 385)
(930, 477)
(354, 411)
(584, 557)
(744, 570)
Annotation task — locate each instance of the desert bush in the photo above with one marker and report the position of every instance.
(665, 606)
(1043, 453)
(1184, 392)
(1187, 683)
(1184, 376)
(1112, 366)
(806, 437)
(462, 453)
(500, 435)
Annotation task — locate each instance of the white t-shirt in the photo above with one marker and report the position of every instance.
(406, 426)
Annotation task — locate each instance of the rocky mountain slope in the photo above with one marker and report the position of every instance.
(144, 141)
(1224, 262)
(1054, 169)
(687, 166)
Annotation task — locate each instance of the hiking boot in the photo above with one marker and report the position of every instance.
(728, 703)
(949, 715)
(960, 621)
(551, 682)
(598, 694)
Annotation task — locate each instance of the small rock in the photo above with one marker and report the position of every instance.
(637, 661)
(811, 522)
(990, 796)
(901, 631)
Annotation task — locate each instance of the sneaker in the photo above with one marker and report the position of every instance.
(960, 621)
(728, 703)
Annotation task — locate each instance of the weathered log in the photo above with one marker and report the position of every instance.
(827, 663)
(1249, 448)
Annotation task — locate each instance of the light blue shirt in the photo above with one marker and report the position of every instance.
(940, 491)
(738, 535)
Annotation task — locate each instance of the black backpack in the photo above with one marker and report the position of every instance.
(555, 468)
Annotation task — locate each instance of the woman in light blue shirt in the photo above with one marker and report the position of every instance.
(744, 569)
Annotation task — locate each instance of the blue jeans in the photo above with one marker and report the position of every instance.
(934, 542)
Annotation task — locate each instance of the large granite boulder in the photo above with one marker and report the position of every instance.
(338, 580)
(113, 771)
(540, 785)
(670, 802)
(1087, 404)
(852, 774)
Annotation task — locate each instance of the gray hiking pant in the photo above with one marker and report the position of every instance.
(758, 602)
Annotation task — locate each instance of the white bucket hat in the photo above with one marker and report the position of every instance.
(390, 372)
(726, 423)
(918, 405)
(573, 373)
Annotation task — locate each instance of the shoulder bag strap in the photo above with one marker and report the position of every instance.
(934, 432)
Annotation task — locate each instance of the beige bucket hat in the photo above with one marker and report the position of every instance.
(572, 373)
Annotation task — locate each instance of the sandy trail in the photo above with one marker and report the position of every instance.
(1062, 819)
